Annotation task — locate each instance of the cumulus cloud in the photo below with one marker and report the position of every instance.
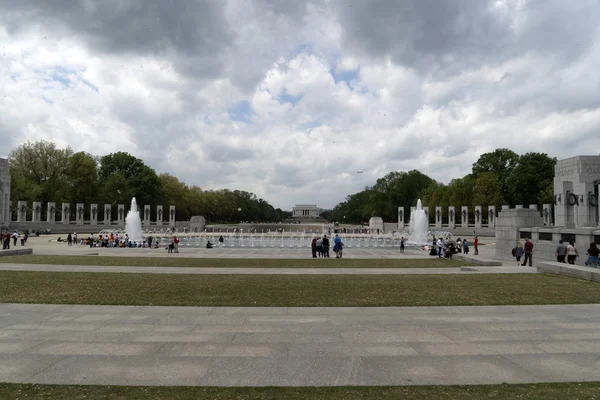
(289, 99)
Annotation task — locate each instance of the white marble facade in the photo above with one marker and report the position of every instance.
(305, 211)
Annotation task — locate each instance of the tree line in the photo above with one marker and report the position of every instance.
(497, 178)
(40, 171)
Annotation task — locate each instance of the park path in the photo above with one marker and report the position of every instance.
(250, 346)
(264, 271)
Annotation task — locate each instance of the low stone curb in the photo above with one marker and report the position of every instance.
(16, 252)
(590, 274)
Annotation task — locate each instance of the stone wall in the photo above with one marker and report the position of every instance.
(4, 193)
(508, 224)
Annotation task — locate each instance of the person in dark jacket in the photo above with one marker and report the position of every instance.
(313, 247)
(325, 246)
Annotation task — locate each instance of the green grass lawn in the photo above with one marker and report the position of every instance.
(293, 290)
(541, 391)
(432, 262)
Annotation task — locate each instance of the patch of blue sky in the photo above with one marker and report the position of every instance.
(311, 125)
(285, 97)
(241, 112)
(90, 85)
(344, 75)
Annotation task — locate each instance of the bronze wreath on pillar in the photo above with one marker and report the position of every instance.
(572, 199)
(593, 199)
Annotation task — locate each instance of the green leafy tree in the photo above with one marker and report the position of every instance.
(123, 176)
(39, 171)
(530, 180)
(488, 190)
(82, 178)
(501, 162)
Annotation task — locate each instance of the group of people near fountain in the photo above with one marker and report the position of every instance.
(446, 247)
(320, 247)
(112, 240)
(15, 236)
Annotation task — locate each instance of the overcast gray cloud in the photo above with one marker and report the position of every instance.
(288, 99)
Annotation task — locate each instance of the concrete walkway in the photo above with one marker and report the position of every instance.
(70, 344)
(266, 271)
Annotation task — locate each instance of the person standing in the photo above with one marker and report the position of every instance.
(572, 253)
(440, 246)
(313, 247)
(402, 245)
(320, 247)
(69, 239)
(176, 244)
(475, 244)
(325, 246)
(221, 241)
(528, 253)
(465, 246)
(561, 252)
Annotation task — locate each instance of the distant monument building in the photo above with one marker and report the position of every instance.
(4, 193)
(306, 211)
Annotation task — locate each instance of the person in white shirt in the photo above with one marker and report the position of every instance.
(571, 253)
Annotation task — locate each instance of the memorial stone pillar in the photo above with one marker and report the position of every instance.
(400, 219)
(121, 214)
(80, 212)
(21, 211)
(51, 212)
(478, 217)
(451, 217)
(438, 217)
(464, 217)
(107, 214)
(547, 214)
(492, 216)
(36, 213)
(146, 216)
(172, 215)
(66, 213)
(94, 214)
(159, 215)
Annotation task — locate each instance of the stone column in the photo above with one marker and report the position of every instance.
(21, 211)
(171, 215)
(36, 213)
(464, 216)
(492, 216)
(478, 216)
(121, 214)
(66, 213)
(107, 214)
(146, 216)
(400, 219)
(159, 215)
(79, 213)
(94, 214)
(547, 214)
(438, 217)
(51, 212)
(451, 217)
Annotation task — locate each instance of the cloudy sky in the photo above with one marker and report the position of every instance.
(289, 99)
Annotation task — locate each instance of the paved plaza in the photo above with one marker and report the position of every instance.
(279, 346)
(70, 344)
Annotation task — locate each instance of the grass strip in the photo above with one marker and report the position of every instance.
(175, 261)
(538, 391)
(294, 290)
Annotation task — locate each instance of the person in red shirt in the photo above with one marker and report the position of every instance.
(528, 252)
(475, 243)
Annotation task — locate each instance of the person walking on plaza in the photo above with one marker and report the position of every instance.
(176, 244)
(561, 252)
(593, 253)
(465, 246)
(572, 253)
(475, 244)
(337, 246)
(528, 252)
(402, 245)
(440, 246)
(518, 252)
(221, 240)
(69, 240)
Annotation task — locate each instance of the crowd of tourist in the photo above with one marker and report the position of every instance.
(15, 236)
